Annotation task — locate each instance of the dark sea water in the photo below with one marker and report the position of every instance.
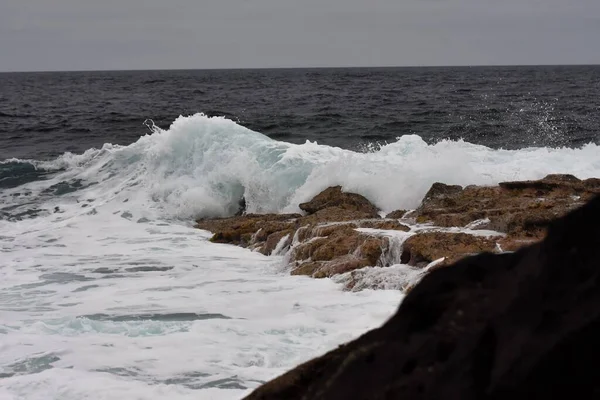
(43, 115)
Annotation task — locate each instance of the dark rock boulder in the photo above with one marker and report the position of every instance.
(524, 325)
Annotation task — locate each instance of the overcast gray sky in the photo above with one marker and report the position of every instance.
(153, 34)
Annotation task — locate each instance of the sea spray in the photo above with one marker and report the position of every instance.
(202, 166)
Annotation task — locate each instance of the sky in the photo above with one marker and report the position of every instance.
(43, 35)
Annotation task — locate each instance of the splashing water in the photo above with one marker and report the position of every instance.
(107, 292)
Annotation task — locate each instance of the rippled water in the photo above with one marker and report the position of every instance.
(42, 115)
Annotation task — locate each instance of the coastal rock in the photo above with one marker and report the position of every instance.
(274, 239)
(424, 248)
(247, 229)
(337, 249)
(518, 208)
(326, 269)
(328, 242)
(334, 214)
(510, 243)
(384, 224)
(334, 197)
(396, 214)
(520, 326)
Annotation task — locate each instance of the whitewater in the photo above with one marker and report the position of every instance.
(107, 291)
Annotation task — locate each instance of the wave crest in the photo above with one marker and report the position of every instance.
(202, 166)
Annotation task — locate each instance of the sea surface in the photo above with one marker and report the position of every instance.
(106, 289)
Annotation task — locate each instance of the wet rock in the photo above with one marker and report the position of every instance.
(424, 248)
(518, 208)
(396, 214)
(273, 240)
(337, 248)
(334, 197)
(328, 241)
(326, 269)
(334, 214)
(240, 230)
(442, 191)
(550, 183)
(384, 224)
(512, 326)
(327, 250)
(306, 268)
(326, 228)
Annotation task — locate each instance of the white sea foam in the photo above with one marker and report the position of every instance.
(110, 293)
(202, 166)
(99, 306)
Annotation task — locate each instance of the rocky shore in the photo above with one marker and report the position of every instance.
(522, 325)
(339, 234)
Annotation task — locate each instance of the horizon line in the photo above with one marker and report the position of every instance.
(301, 68)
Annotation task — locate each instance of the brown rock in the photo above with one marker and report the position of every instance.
(514, 243)
(327, 269)
(513, 326)
(339, 266)
(248, 229)
(423, 248)
(517, 208)
(263, 232)
(396, 214)
(334, 214)
(334, 197)
(337, 243)
(328, 228)
(386, 224)
(306, 268)
(337, 249)
(547, 184)
(273, 240)
(372, 248)
(442, 191)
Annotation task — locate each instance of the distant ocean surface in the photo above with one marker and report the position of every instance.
(42, 115)
(106, 289)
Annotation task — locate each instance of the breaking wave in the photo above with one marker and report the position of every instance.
(202, 166)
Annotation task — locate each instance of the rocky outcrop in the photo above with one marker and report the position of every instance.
(520, 325)
(246, 230)
(424, 248)
(335, 197)
(397, 214)
(327, 241)
(520, 209)
(336, 249)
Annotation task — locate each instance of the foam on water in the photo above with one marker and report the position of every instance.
(203, 166)
(106, 291)
(103, 307)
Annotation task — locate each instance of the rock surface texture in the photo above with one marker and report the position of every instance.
(323, 243)
(343, 232)
(522, 325)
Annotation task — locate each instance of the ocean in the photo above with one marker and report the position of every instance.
(106, 289)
